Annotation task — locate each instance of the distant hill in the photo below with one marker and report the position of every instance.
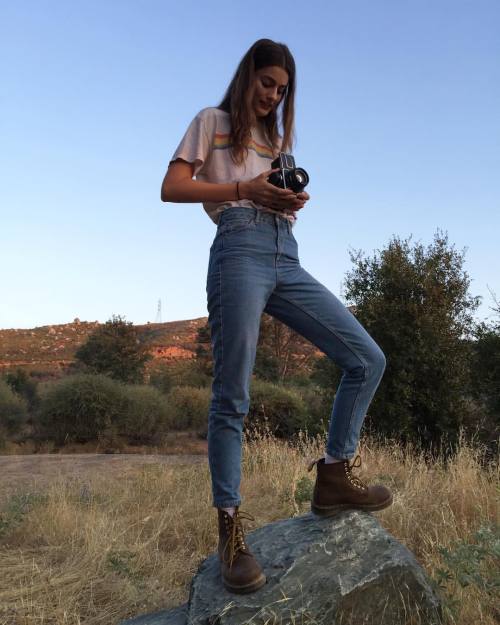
(52, 348)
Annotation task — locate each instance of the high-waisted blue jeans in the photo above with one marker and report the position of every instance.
(253, 268)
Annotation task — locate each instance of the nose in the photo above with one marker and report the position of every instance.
(273, 95)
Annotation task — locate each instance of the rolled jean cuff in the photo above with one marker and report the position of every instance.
(230, 503)
(339, 456)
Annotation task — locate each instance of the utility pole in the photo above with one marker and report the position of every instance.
(158, 312)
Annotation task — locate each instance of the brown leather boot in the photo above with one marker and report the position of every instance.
(337, 489)
(241, 573)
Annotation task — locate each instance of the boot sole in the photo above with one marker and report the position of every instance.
(332, 510)
(255, 585)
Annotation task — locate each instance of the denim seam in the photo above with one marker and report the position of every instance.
(365, 366)
(363, 381)
(221, 339)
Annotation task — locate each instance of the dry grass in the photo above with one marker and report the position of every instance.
(176, 442)
(95, 550)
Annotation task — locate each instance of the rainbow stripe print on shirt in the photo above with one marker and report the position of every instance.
(222, 142)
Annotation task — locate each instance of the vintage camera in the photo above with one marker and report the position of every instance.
(289, 176)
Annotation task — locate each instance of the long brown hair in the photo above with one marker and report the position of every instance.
(237, 99)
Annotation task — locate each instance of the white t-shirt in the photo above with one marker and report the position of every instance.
(206, 143)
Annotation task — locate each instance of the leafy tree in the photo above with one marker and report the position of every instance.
(24, 385)
(13, 411)
(415, 304)
(485, 374)
(114, 349)
(204, 349)
(281, 352)
(266, 363)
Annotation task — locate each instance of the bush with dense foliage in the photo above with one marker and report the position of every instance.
(188, 407)
(145, 417)
(24, 385)
(80, 408)
(13, 410)
(318, 406)
(182, 373)
(282, 408)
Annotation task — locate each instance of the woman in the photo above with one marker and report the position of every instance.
(254, 268)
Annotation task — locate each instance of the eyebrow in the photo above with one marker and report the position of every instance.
(267, 76)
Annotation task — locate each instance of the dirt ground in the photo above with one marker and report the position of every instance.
(36, 471)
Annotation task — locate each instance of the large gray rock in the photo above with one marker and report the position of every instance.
(340, 570)
(175, 616)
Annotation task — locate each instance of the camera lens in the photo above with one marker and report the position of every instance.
(302, 176)
(297, 179)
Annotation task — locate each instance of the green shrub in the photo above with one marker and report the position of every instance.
(145, 417)
(23, 385)
(13, 409)
(188, 372)
(318, 406)
(81, 407)
(301, 379)
(17, 506)
(188, 407)
(162, 378)
(284, 408)
(471, 564)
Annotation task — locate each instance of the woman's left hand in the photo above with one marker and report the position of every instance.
(296, 201)
(302, 198)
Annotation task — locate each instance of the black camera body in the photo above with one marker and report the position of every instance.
(289, 176)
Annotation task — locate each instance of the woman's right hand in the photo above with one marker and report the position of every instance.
(261, 191)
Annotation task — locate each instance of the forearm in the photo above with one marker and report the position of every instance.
(197, 191)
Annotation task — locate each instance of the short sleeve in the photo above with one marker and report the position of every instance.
(195, 145)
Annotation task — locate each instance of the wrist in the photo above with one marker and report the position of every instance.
(244, 190)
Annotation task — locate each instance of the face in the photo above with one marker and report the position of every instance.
(269, 86)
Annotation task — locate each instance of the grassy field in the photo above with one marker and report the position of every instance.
(100, 547)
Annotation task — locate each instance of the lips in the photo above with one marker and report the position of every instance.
(265, 106)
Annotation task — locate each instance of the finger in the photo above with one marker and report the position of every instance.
(284, 192)
(269, 171)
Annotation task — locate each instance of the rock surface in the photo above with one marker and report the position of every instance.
(340, 570)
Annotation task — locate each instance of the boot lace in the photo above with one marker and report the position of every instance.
(355, 481)
(236, 540)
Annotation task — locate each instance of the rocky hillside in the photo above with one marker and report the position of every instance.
(52, 348)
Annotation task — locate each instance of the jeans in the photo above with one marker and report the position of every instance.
(253, 268)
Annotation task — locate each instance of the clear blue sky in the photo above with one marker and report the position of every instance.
(398, 125)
